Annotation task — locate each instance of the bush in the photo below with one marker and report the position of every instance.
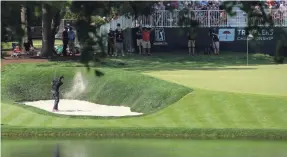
(117, 87)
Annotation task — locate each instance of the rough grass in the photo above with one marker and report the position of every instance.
(143, 133)
(117, 87)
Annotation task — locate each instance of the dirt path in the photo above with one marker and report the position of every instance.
(10, 60)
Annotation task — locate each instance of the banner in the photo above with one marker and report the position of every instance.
(160, 37)
(226, 34)
(263, 34)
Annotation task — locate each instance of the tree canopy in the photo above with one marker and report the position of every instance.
(49, 14)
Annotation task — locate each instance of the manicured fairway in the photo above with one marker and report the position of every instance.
(143, 148)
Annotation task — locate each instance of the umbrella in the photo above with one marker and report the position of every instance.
(226, 32)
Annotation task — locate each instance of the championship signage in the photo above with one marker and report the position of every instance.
(160, 37)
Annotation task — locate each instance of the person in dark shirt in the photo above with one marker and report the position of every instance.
(65, 40)
(139, 39)
(119, 41)
(191, 44)
(215, 42)
(56, 84)
(111, 42)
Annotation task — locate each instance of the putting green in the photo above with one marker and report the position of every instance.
(263, 79)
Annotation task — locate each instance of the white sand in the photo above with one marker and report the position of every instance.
(77, 107)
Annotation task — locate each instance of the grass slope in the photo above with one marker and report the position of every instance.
(117, 87)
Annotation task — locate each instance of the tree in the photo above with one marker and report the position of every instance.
(51, 18)
(89, 36)
(46, 30)
(11, 27)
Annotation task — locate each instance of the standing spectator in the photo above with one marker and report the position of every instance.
(139, 39)
(111, 42)
(71, 36)
(65, 40)
(119, 41)
(215, 43)
(191, 44)
(146, 40)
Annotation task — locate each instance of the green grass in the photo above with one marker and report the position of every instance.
(199, 109)
(117, 87)
(226, 94)
(264, 79)
(174, 62)
(36, 43)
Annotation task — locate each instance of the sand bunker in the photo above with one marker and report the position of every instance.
(83, 108)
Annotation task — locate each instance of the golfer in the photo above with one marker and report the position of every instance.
(56, 84)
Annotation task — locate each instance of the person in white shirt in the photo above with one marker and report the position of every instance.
(71, 42)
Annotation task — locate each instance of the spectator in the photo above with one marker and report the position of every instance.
(146, 41)
(65, 40)
(139, 39)
(191, 44)
(111, 42)
(119, 41)
(215, 42)
(71, 42)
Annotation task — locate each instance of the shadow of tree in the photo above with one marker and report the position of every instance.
(183, 62)
(164, 61)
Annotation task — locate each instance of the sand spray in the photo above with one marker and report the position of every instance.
(79, 86)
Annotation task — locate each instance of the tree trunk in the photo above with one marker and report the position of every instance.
(23, 26)
(55, 26)
(47, 43)
(29, 31)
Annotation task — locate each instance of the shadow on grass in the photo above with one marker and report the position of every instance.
(163, 61)
(183, 62)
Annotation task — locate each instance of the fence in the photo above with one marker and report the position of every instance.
(205, 18)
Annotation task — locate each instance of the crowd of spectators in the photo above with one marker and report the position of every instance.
(195, 5)
(276, 8)
(210, 5)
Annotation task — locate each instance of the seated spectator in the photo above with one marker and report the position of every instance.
(17, 49)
